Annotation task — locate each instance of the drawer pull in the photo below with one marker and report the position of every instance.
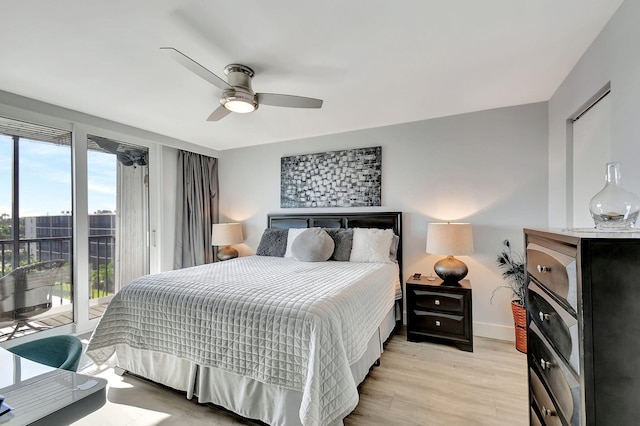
(543, 316)
(547, 412)
(437, 302)
(544, 269)
(437, 323)
(546, 365)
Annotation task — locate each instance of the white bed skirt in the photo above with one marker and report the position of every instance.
(249, 398)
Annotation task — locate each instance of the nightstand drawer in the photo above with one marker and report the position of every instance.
(438, 323)
(436, 301)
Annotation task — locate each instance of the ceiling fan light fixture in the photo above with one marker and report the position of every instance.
(239, 105)
(237, 95)
(236, 101)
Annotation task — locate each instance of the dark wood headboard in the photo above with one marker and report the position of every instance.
(382, 220)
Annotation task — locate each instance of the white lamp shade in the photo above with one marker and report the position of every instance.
(450, 239)
(225, 234)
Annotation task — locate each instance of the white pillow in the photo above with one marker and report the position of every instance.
(293, 233)
(371, 245)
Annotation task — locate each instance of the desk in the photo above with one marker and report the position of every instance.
(43, 395)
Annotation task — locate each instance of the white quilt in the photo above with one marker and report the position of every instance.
(298, 325)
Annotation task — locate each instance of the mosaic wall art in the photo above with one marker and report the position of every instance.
(349, 178)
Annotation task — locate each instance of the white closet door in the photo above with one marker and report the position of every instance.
(591, 152)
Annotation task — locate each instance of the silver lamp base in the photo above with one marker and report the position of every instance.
(451, 270)
(226, 253)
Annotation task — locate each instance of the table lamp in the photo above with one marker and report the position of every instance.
(450, 239)
(226, 234)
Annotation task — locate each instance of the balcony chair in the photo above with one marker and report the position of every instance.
(56, 351)
(26, 292)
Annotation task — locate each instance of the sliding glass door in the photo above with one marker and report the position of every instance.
(118, 201)
(40, 259)
(36, 228)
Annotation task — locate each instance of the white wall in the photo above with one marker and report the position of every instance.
(613, 57)
(488, 168)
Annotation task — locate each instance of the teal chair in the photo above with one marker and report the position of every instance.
(55, 351)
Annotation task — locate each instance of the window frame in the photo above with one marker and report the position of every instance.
(81, 125)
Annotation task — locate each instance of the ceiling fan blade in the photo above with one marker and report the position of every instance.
(219, 113)
(289, 101)
(196, 68)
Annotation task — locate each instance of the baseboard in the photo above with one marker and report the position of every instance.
(494, 331)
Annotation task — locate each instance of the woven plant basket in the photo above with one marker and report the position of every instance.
(520, 323)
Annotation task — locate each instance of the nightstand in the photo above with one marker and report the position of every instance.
(439, 312)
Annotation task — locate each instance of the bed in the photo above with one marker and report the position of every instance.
(271, 338)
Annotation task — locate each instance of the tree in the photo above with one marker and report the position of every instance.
(5, 226)
(103, 280)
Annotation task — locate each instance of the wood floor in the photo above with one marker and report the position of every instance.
(431, 384)
(416, 384)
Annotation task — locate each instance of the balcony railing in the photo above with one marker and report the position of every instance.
(34, 250)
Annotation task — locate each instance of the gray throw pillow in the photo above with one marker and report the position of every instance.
(343, 239)
(273, 242)
(312, 245)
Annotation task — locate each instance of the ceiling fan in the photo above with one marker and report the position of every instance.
(237, 94)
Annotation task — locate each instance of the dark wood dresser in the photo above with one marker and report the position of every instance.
(440, 312)
(583, 296)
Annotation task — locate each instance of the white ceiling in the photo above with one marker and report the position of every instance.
(374, 63)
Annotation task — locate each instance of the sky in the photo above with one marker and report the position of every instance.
(45, 178)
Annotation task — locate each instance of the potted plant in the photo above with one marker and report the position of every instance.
(513, 272)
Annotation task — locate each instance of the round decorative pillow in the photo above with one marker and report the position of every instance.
(313, 245)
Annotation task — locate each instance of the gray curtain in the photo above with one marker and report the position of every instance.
(197, 209)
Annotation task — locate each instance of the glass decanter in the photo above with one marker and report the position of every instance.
(614, 208)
